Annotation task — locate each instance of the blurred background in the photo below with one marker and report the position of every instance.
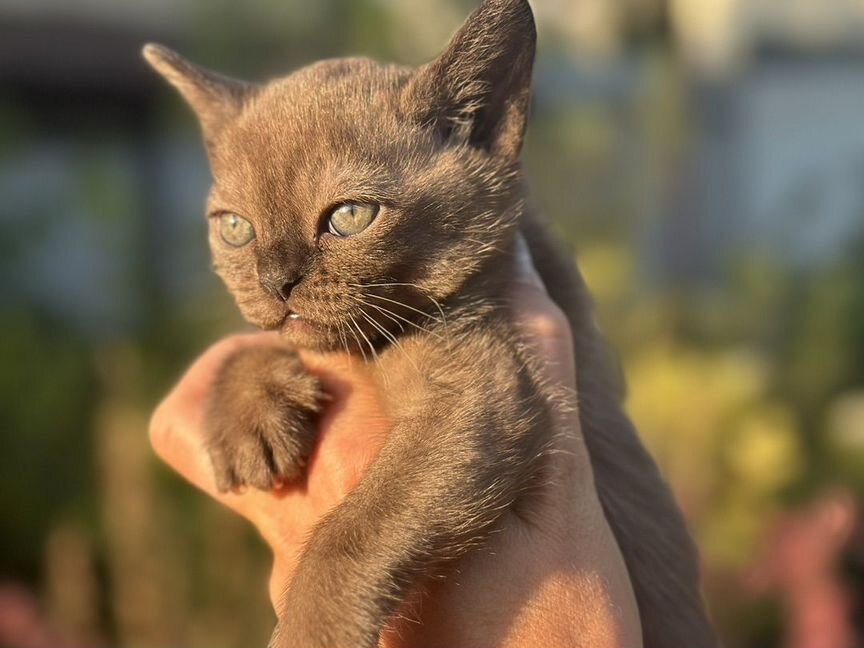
(703, 158)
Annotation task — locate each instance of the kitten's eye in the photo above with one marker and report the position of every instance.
(350, 219)
(235, 231)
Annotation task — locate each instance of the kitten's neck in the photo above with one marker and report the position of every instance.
(488, 290)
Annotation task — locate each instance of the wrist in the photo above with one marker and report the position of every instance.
(529, 587)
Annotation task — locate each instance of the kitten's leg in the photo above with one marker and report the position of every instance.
(448, 471)
(260, 418)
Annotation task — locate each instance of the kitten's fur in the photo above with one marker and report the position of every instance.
(438, 147)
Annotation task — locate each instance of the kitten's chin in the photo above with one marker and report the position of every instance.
(308, 335)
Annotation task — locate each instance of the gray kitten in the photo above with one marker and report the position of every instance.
(375, 208)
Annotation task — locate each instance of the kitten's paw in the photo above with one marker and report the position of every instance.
(260, 418)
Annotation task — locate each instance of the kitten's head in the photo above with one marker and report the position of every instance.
(350, 197)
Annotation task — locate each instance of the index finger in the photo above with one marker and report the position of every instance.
(546, 327)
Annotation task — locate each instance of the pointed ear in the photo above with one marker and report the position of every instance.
(479, 89)
(215, 99)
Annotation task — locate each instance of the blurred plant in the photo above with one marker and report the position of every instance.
(727, 450)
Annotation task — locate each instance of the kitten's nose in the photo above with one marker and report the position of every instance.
(279, 284)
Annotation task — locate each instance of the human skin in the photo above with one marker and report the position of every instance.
(552, 578)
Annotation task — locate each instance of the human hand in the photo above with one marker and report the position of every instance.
(556, 579)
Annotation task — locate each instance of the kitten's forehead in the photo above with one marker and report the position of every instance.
(354, 74)
(334, 117)
(326, 101)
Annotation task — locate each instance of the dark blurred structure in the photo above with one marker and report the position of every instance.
(704, 157)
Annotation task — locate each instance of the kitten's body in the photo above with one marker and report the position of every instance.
(423, 289)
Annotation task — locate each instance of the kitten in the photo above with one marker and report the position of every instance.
(375, 208)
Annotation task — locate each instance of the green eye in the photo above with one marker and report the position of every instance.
(235, 231)
(350, 219)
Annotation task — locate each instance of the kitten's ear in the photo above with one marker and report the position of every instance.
(215, 99)
(479, 89)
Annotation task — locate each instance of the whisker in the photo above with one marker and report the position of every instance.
(441, 312)
(344, 341)
(392, 338)
(375, 357)
(409, 285)
(378, 327)
(390, 313)
(404, 305)
(386, 313)
(359, 344)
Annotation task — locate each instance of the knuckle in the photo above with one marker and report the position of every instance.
(548, 323)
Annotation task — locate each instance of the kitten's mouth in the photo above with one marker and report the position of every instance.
(291, 318)
(308, 332)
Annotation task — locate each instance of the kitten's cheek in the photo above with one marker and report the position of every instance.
(256, 307)
(254, 304)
